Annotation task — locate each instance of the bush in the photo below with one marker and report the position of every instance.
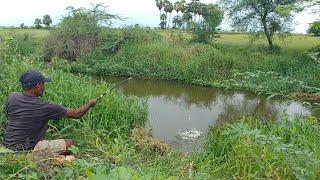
(315, 54)
(315, 28)
(78, 33)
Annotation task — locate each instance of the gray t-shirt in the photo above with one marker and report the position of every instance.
(28, 117)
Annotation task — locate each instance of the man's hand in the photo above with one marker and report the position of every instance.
(92, 102)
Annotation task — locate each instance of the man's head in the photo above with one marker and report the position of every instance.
(33, 81)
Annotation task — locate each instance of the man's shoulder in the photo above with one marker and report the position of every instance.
(14, 95)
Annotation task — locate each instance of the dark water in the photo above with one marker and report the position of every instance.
(175, 108)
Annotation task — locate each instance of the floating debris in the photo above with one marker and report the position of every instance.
(190, 134)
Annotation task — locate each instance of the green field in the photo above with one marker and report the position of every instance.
(247, 149)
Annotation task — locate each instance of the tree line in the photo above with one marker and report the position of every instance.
(268, 17)
(46, 21)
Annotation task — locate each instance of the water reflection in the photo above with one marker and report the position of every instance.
(174, 107)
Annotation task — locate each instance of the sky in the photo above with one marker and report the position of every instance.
(144, 12)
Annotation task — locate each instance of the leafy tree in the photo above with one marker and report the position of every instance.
(46, 20)
(212, 17)
(37, 23)
(22, 26)
(315, 28)
(269, 16)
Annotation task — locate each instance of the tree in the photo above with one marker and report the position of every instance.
(159, 4)
(177, 21)
(179, 6)
(204, 30)
(163, 22)
(168, 8)
(194, 7)
(22, 26)
(46, 20)
(315, 28)
(37, 23)
(187, 18)
(269, 16)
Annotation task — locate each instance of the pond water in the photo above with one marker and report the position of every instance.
(181, 114)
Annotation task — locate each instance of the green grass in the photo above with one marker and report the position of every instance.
(217, 64)
(246, 149)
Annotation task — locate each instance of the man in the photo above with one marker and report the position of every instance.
(28, 116)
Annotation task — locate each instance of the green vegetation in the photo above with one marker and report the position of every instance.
(249, 148)
(246, 149)
(269, 17)
(315, 28)
(173, 57)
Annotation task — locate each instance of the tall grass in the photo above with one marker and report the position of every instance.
(203, 64)
(112, 118)
(247, 149)
(286, 149)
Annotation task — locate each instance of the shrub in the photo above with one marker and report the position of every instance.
(78, 33)
(315, 28)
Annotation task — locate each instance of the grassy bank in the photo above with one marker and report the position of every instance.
(231, 62)
(249, 148)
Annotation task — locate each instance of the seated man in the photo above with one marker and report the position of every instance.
(28, 116)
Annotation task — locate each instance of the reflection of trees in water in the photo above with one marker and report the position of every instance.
(185, 95)
(242, 105)
(235, 105)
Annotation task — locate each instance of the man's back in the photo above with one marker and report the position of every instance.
(27, 120)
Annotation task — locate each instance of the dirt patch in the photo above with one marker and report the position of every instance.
(144, 141)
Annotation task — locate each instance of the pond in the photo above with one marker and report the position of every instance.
(181, 114)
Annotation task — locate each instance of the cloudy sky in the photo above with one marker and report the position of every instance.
(144, 12)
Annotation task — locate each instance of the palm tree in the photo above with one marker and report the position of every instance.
(159, 4)
(194, 7)
(186, 17)
(201, 10)
(177, 21)
(163, 22)
(179, 6)
(168, 8)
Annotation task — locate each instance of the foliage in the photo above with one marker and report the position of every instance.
(269, 83)
(315, 54)
(315, 28)
(262, 15)
(22, 26)
(78, 33)
(206, 29)
(47, 20)
(37, 23)
(22, 44)
(286, 149)
(201, 64)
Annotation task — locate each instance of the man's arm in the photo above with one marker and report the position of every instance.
(78, 113)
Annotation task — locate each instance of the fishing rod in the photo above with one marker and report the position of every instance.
(114, 86)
